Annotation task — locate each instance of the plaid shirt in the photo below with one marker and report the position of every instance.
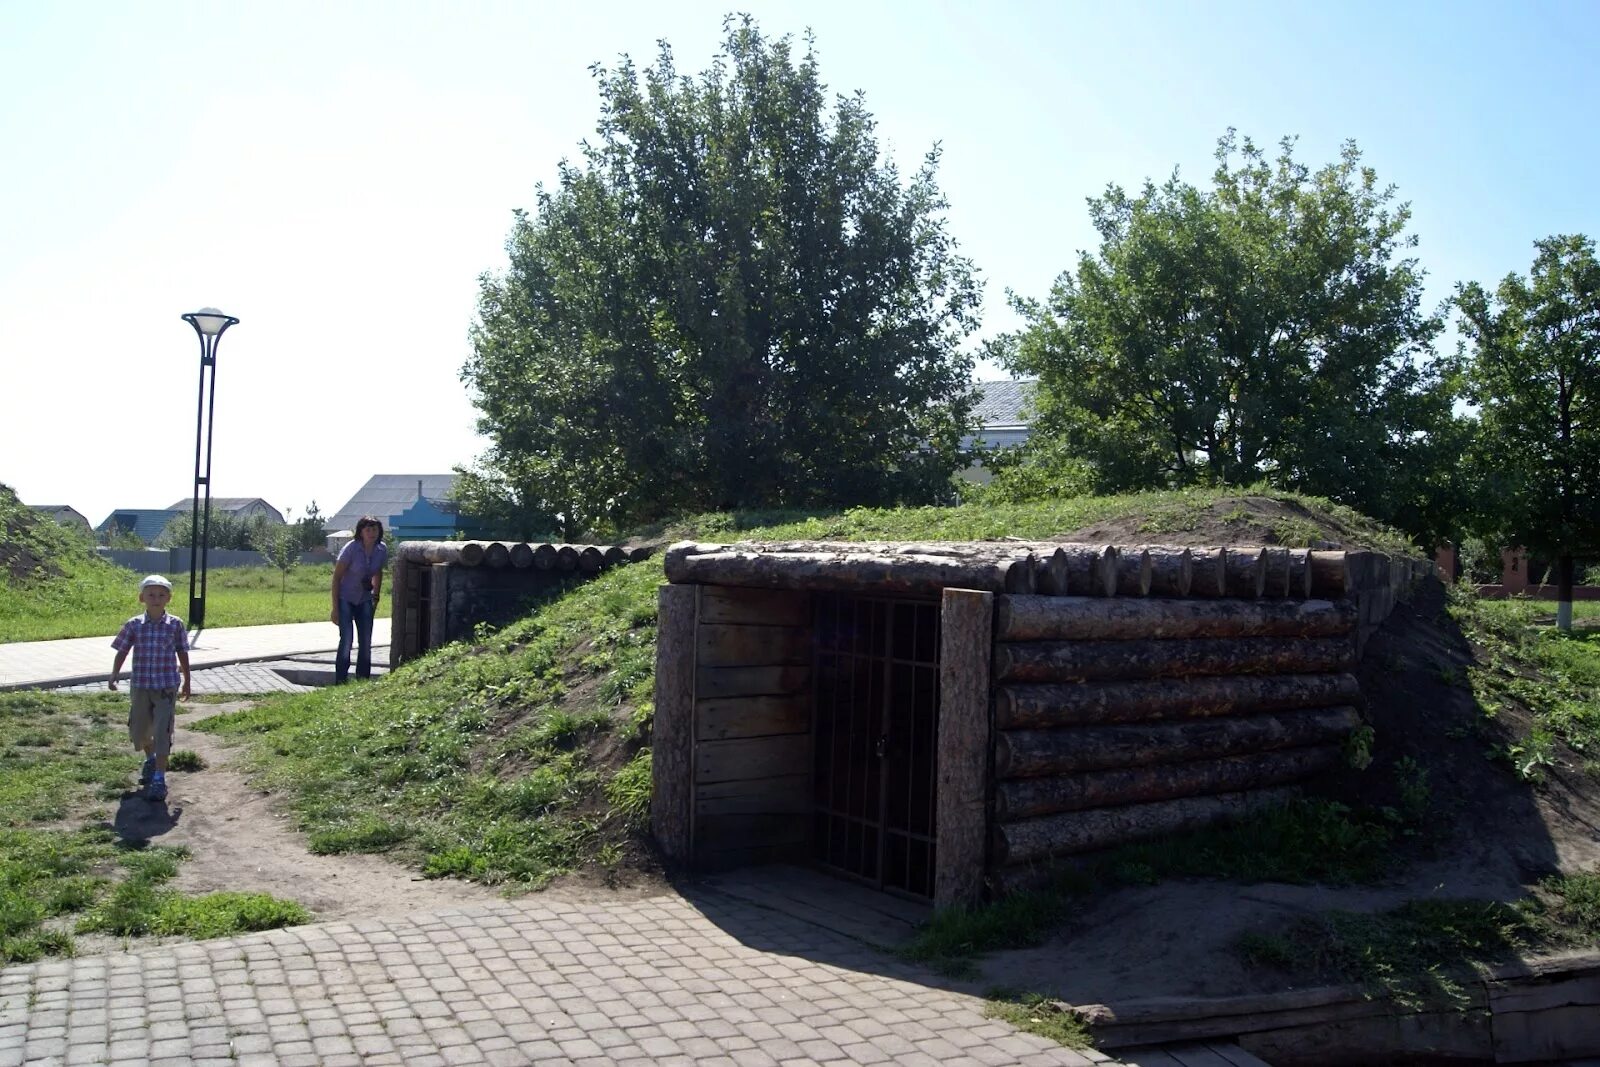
(156, 644)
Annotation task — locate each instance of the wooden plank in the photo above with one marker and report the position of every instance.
(966, 629)
(752, 646)
(1236, 1056)
(762, 607)
(873, 927)
(438, 604)
(1196, 1056)
(1550, 992)
(672, 731)
(829, 891)
(1147, 1057)
(752, 717)
(752, 757)
(725, 833)
(1056, 618)
(1541, 1036)
(788, 794)
(716, 683)
(398, 648)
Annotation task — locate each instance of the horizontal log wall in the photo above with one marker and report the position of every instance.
(465, 583)
(752, 727)
(1121, 718)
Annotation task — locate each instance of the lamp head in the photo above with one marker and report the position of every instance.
(209, 322)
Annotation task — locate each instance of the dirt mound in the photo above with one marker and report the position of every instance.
(24, 542)
(1244, 520)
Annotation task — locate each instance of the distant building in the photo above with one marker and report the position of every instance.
(414, 507)
(61, 513)
(241, 507)
(1000, 414)
(1001, 419)
(144, 523)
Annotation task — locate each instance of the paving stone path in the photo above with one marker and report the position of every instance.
(698, 981)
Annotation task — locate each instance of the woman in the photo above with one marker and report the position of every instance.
(357, 581)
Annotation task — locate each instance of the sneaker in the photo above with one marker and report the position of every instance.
(148, 771)
(156, 790)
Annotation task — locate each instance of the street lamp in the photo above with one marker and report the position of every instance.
(208, 323)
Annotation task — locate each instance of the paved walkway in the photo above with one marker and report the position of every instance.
(696, 981)
(27, 664)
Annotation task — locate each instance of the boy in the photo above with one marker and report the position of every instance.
(160, 651)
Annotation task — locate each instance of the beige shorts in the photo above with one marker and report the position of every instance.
(150, 719)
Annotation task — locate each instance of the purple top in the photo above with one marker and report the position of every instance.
(156, 644)
(356, 585)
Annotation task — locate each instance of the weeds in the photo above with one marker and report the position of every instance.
(1418, 953)
(1554, 677)
(1039, 1015)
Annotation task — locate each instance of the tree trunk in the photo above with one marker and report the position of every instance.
(1089, 703)
(904, 575)
(544, 557)
(1564, 592)
(497, 555)
(1083, 831)
(1330, 575)
(566, 557)
(1039, 753)
(1028, 798)
(1171, 570)
(1049, 661)
(1210, 567)
(1053, 618)
(1133, 573)
(1247, 572)
(522, 555)
(590, 559)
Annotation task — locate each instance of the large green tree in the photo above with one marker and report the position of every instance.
(730, 301)
(1266, 328)
(1535, 375)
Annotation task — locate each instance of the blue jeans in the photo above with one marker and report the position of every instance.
(355, 621)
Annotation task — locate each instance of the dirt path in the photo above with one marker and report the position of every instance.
(240, 840)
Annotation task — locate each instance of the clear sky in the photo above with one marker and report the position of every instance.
(338, 175)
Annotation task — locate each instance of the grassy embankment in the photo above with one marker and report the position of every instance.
(524, 754)
(64, 766)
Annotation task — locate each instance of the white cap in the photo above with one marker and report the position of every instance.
(155, 579)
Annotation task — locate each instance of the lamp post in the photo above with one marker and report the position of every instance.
(208, 323)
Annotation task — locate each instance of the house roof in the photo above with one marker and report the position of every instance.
(1001, 403)
(222, 503)
(386, 495)
(144, 523)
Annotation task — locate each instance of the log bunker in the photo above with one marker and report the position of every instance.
(942, 719)
(441, 590)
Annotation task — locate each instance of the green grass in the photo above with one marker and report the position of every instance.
(1553, 677)
(480, 761)
(65, 759)
(1160, 512)
(1418, 954)
(96, 598)
(1039, 1015)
